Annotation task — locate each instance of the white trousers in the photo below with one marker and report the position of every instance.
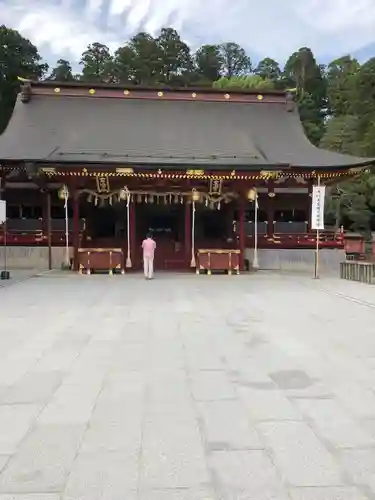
(148, 266)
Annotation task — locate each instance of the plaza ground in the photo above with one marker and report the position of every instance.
(251, 387)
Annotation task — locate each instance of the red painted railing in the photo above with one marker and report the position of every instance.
(24, 232)
(327, 239)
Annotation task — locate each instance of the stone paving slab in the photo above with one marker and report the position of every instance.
(32, 496)
(329, 493)
(103, 476)
(43, 460)
(256, 387)
(218, 435)
(19, 275)
(300, 455)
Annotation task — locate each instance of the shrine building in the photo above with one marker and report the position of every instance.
(221, 178)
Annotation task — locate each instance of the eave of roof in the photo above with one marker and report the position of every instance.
(153, 88)
(78, 124)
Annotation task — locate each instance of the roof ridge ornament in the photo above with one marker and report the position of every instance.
(290, 102)
(25, 93)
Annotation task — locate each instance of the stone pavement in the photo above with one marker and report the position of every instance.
(17, 275)
(187, 388)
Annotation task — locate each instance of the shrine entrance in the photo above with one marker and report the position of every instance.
(166, 224)
(106, 223)
(214, 228)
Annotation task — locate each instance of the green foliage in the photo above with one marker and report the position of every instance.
(302, 72)
(97, 64)
(146, 60)
(235, 61)
(244, 82)
(268, 69)
(353, 201)
(175, 58)
(123, 64)
(18, 58)
(341, 134)
(62, 72)
(208, 62)
(341, 78)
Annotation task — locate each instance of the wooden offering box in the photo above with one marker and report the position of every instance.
(100, 259)
(216, 259)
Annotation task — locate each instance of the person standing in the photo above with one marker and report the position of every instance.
(148, 246)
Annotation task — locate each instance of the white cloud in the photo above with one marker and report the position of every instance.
(268, 28)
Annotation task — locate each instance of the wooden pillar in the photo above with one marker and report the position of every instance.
(47, 223)
(75, 229)
(241, 230)
(187, 238)
(132, 231)
(270, 213)
(49, 228)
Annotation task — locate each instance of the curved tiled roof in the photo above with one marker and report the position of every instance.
(62, 128)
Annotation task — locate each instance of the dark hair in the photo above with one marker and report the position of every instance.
(149, 235)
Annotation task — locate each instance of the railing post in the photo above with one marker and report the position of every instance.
(362, 272)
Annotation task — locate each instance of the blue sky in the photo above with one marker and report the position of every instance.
(63, 28)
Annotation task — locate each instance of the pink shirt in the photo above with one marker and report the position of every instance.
(148, 246)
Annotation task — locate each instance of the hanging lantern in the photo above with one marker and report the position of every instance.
(206, 202)
(251, 194)
(110, 200)
(165, 200)
(195, 195)
(182, 200)
(146, 199)
(170, 198)
(176, 198)
(122, 194)
(63, 192)
(218, 205)
(151, 198)
(139, 198)
(96, 200)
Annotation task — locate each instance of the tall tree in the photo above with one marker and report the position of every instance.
(124, 64)
(268, 69)
(18, 58)
(235, 60)
(62, 72)
(302, 72)
(176, 60)
(97, 64)
(364, 105)
(353, 201)
(208, 62)
(147, 67)
(365, 88)
(341, 78)
(341, 135)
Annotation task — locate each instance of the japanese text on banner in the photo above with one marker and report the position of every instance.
(317, 209)
(3, 211)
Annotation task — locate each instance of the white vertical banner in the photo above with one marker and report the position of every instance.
(317, 208)
(3, 211)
